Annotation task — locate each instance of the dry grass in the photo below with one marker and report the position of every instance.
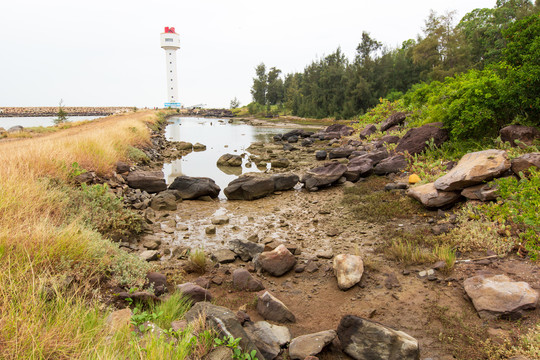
(51, 262)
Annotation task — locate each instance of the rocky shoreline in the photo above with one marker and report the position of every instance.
(291, 274)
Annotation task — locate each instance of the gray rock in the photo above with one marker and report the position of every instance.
(277, 262)
(284, 182)
(224, 321)
(474, 168)
(339, 153)
(15, 129)
(243, 280)
(263, 337)
(348, 270)
(164, 201)
(311, 344)
(415, 140)
(482, 192)
(390, 165)
(249, 187)
(223, 256)
(524, 134)
(358, 167)
(220, 353)
(195, 187)
(323, 175)
(393, 120)
(341, 129)
(149, 255)
(149, 181)
(270, 308)
(430, 197)
(321, 155)
(246, 250)
(524, 162)
(195, 292)
(499, 296)
(368, 130)
(362, 339)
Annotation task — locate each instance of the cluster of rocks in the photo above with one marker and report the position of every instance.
(70, 110)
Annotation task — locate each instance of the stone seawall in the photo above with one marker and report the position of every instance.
(53, 110)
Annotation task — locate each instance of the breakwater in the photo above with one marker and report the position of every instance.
(70, 111)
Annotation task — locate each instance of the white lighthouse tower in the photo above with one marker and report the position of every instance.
(170, 42)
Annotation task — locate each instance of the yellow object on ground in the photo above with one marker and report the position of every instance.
(413, 179)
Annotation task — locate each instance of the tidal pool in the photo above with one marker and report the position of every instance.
(221, 136)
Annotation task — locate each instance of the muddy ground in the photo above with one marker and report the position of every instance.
(435, 311)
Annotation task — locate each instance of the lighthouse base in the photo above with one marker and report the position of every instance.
(172, 105)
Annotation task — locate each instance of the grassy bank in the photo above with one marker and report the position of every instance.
(55, 252)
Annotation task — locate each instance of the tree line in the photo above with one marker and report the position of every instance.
(338, 87)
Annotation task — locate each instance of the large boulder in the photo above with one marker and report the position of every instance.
(415, 140)
(524, 162)
(195, 187)
(393, 120)
(230, 160)
(430, 197)
(390, 165)
(474, 168)
(323, 175)
(224, 321)
(271, 308)
(149, 181)
(362, 339)
(341, 129)
(245, 249)
(276, 262)
(524, 134)
(348, 270)
(310, 344)
(249, 187)
(358, 167)
(368, 130)
(284, 181)
(499, 296)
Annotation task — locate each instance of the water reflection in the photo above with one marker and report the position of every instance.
(220, 137)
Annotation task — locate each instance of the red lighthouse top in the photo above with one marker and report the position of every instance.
(169, 30)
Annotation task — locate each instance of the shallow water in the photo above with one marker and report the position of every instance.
(7, 122)
(220, 137)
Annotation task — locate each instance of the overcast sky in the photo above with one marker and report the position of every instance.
(98, 53)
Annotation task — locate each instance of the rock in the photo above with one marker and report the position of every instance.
(341, 129)
(149, 181)
(524, 134)
(393, 120)
(246, 250)
(220, 353)
(341, 152)
(270, 308)
(368, 130)
(242, 280)
(149, 255)
(482, 192)
(524, 162)
(119, 319)
(263, 335)
(396, 186)
(311, 344)
(15, 129)
(348, 270)
(389, 139)
(415, 140)
(199, 147)
(280, 163)
(210, 230)
(157, 281)
(195, 292)
(223, 256)
(430, 197)
(183, 145)
(278, 261)
(323, 175)
(375, 157)
(230, 160)
(292, 139)
(220, 220)
(321, 155)
(122, 167)
(307, 142)
(195, 187)
(474, 168)
(358, 167)
(362, 339)
(284, 182)
(224, 321)
(289, 147)
(164, 201)
(248, 187)
(390, 165)
(499, 297)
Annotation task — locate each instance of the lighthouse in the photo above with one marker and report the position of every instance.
(170, 42)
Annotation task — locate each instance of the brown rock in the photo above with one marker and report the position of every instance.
(524, 162)
(270, 308)
(430, 197)
(414, 141)
(393, 120)
(243, 280)
(525, 134)
(278, 261)
(195, 292)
